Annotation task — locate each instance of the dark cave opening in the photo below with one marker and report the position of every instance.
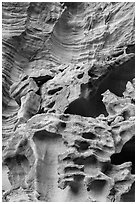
(43, 135)
(127, 154)
(91, 105)
(87, 108)
(42, 79)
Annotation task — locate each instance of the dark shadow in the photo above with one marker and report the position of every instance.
(91, 104)
(127, 154)
(97, 186)
(43, 135)
(130, 196)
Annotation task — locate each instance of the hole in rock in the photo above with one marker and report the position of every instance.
(126, 114)
(41, 110)
(44, 135)
(117, 54)
(72, 168)
(78, 177)
(80, 76)
(130, 49)
(82, 145)
(97, 186)
(79, 160)
(86, 161)
(51, 104)
(127, 154)
(23, 143)
(132, 101)
(38, 92)
(87, 108)
(90, 160)
(89, 135)
(62, 125)
(42, 79)
(106, 167)
(64, 117)
(53, 91)
(91, 105)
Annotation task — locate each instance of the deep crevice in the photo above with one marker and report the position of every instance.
(53, 91)
(51, 104)
(41, 110)
(90, 104)
(127, 154)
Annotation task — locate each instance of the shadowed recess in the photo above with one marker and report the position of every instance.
(115, 82)
(97, 186)
(127, 154)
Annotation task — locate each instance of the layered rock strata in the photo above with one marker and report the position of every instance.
(68, 101)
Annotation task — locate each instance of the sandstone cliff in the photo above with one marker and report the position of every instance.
(68, 101)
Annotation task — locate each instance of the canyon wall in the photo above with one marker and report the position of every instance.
(68, 101)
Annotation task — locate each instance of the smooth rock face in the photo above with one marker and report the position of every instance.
(68, 101)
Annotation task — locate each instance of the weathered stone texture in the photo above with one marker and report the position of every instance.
(68, 101)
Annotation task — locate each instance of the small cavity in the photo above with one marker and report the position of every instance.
(72, 168)
(82, 145)
(130, 49)
(106, 167)
(23, 143)
(62, 124)
(42, 79)
(118, 53)
(79, 160)
(125, 115)
(123, 132)
(53, 91)
(77, 67)
(90, 160)
(64, 117)
(127, 154)
(80, 76)
(133, 101)
(41, 110)
(97, 186)
(51, 104)
(89, 135)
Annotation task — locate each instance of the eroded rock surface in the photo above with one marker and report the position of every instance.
(68, 101)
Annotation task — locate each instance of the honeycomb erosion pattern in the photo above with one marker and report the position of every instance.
(68, 101)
